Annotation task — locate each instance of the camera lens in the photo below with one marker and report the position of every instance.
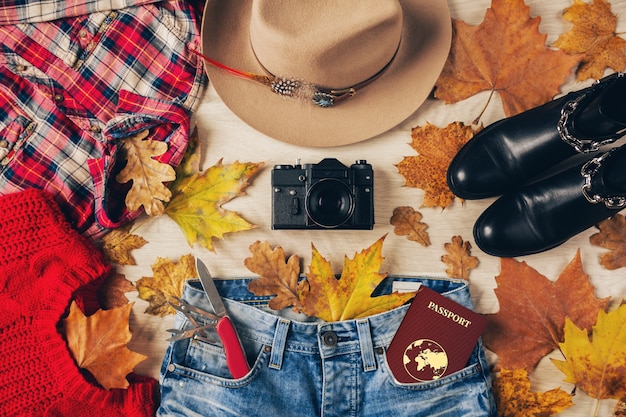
(329, 203)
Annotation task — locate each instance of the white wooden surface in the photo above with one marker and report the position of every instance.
(223, 135)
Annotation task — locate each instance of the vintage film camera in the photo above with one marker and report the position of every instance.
(326, 195)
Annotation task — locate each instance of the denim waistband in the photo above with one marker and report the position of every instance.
(285, 330)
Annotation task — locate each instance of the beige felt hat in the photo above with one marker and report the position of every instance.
(378, 60)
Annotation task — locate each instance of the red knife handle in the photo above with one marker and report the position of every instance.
(235, 356)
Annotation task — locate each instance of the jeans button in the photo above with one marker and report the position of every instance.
(329, 339)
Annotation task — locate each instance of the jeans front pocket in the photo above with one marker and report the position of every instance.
(466, 392)
(206, 360)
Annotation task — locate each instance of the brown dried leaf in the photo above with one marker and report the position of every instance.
(118, 243)
(168, 281)
(593, 35)
(515, 399)
(112, 292)
(531, 319)
(98, 344)
(612, 236)
(504, 54)
(408, 223)
(277, 277)
(435, 147)
(146, 173)
(459, 259)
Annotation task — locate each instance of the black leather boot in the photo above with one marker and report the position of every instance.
(543, 215)
(516, 150)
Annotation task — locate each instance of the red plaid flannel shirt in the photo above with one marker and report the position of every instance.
(77, 76)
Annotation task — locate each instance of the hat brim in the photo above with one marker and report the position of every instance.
(376, 108)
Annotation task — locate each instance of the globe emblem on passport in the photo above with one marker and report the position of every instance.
(425, 360)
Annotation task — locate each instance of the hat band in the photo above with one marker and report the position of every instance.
(324, 97)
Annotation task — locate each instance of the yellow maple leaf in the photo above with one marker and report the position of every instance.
(98, 344)
(348, 297)
(435, 147)
(146, 173)
(168, 281)
(597, 365)
(197, 199)
(515, 399)
(118, 243)
(593, 35)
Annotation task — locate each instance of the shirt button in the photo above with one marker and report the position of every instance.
(82, 33)
(58, 98)
(96, 129)
(329, 339)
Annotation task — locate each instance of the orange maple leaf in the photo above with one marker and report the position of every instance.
(436, 148)
(531, 319)
(593, 35)
(98, 344)
(507, 54)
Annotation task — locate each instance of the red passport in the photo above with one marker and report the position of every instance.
(435, 338)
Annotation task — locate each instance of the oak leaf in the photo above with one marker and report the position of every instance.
(459, 259)
(277, 277)
(407, 222)
(197, 199)
(348, 297)
(99, 344)
(168, 281)
(118, 243)
(112, 292)
(435, 147)
(506, 54)
(514, 397)
(593, 35)
(146, 173)
(597, 365)
(612, 236)
(530, 322)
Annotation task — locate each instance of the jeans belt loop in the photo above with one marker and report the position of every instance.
(278, 344)
(367, 346)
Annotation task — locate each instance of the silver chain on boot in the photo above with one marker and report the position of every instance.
(568, 113)
(588, 171)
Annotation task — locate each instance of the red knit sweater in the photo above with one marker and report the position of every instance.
(44, 264)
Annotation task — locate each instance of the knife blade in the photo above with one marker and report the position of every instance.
(235, 355)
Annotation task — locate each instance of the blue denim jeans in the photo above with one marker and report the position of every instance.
(306, 367)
